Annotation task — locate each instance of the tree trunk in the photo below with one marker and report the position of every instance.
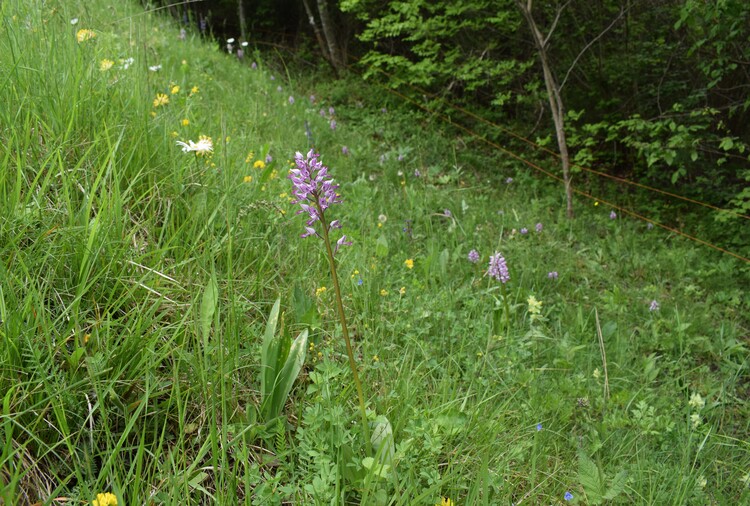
(555, 100)
(243, 22)
(330, 34)
(316, 30)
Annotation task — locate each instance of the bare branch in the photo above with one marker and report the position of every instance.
(587, 46)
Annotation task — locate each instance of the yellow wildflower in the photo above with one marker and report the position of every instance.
(383, 292)
(402, 290)
(161, 99)
(273, 175)
(535, 307)
(185, 122)
(174, 134)
(85, 34)
(283, 195)
(259, 164)
(445, 501)
(153, 114)
(320, 291)
(247, 179)
(107, 499)
(409, 263)
(249, 157)
(380, 225)
(86, 338)
(174, 90)
(375, 358)
(194, 90)
(105, 65)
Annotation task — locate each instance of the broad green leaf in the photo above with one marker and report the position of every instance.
(288, 374)
(382, 440)
(617, 485)
(208, 306)
(381, 246)
(269, 354)
(588, 475)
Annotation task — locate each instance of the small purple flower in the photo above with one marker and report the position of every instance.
(345, 150)
(333, 124)
(273, 78)
(312, 99)
(254, 66)
(613, 215)
(524, 231)
(400, 158)
(654, 306)
(498, 269)
(269, 158)
(315, 192)
(384, 110)
(279, 88)
(568, 496)
(539, 227)
(509, 180)
(473, 256)
(552, 275)
(322, 113)
(331, 111)
(538, 427)
(291, 100)
(240, 53)
(447, 213)
(417, 173)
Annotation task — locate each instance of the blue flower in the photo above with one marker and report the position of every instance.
(568, 496)
(539, 426)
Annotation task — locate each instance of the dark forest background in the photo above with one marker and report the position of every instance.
(653, 91)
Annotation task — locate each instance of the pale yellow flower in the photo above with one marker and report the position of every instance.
(696, 401)
(320, 291)
(174, 90)
(409, 263)
(105, 65)
(85, 34)
(535, 306)
(106, 499)
(383, 292)
(194, 90)
(247, 179)
(161, 99)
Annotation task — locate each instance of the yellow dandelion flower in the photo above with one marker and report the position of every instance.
(85, 34)
(185, 122)
(409, 263)
(259, 164)
(445, 501)
(174, 90)
(160, 100)
(106, 499)
(105, 65)
(320, 291)
(383, 292)
(247, 179)
(194, 90)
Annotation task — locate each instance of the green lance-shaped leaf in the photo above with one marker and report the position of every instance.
(591, 480)
(208, 306)
(269, 355)
(288, 374)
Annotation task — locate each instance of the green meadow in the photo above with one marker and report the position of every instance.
(143, 359)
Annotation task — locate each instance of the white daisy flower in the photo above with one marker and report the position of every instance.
(204, 145)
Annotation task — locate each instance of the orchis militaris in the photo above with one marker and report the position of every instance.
(315, 192)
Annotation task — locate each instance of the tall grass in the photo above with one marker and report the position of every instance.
(136, 279)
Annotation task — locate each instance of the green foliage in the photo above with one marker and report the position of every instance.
(281, 360)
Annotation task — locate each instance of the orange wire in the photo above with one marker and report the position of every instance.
(553, 176)
(553, 153)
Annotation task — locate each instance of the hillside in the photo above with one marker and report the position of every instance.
(139, 274)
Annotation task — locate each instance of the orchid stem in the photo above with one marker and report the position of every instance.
(344, 328)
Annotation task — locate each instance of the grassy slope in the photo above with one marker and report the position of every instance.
(110, 236)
